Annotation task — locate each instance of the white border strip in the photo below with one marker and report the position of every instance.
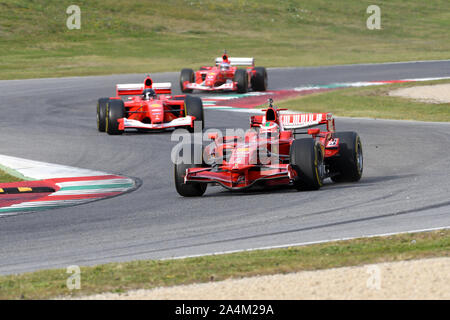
(343, 85)
(44, 170)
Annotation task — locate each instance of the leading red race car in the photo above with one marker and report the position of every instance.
(272, 155)
(148, 106)
(225, 76)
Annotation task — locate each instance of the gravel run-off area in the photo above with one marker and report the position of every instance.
(415, 279)
(439, 93)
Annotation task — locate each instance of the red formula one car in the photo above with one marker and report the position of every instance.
(148, 106)
(272, 154)
(225, 76)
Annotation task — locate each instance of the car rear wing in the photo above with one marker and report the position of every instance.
(134, 89)
(238, 61)
(298, 121)
(304, 120)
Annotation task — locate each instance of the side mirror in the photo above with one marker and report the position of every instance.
(213, 135)
(314, 131)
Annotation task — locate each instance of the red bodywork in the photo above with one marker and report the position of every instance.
(215, 79)
(241, 157)
(160, 112)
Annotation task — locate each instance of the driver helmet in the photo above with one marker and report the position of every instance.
(147, 94)
(269, 130)
(224, 66)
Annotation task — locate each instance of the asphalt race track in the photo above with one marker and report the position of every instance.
(405, 185)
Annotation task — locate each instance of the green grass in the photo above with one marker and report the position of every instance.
(125, 36)
(372, 102)
(121, 277)
(5, 177)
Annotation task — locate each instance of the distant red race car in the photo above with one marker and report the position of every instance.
(225, 76)
(148, 106)
(272, 155)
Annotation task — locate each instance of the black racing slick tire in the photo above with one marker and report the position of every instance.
(186, 75)
(193, 106)
(259, 79)
(241, 78)
(190, 189)
(101, 114)
(115, 110)
(348, 165)
(306, 159)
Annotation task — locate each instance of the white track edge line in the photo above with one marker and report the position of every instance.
(302, 244)
(358, 64)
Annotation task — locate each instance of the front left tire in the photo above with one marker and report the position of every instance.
(259, 79)
(348, 165)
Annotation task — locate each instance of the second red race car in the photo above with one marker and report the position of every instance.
(147, 106)
(225, 76)
(272, 154)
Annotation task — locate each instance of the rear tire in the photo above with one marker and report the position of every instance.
(306, 159)
(190, 189)
(101, 114)
(115, 110)
(350, 162)
(241, 78)
(259, 80)
(186, 75)
(193, 106)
